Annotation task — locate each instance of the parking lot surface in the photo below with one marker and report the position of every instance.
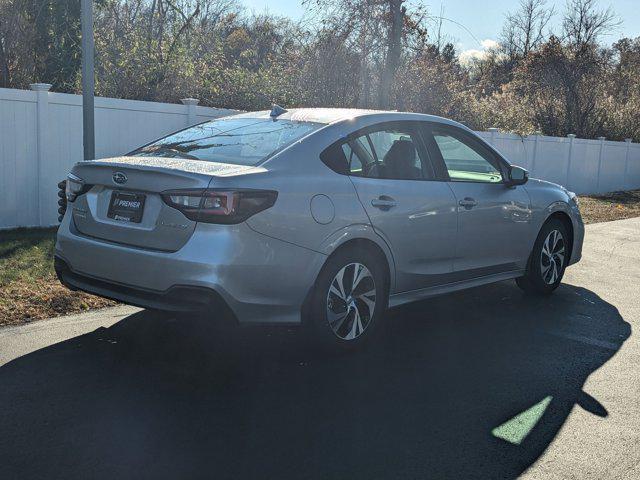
(485, 383)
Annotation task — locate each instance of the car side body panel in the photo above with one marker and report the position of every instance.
(420, 228)
(494, 233)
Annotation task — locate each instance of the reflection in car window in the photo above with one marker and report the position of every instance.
(366, 145)
(383, 140)
(391, 153)
(244, 141)
(465, 163)
(396, 155)
(355, 164)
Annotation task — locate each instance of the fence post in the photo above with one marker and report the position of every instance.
(602, 139)
(571, 137)
(492, 138)
(190, 104)
(42, 138)
(536, 138)
(626, 164)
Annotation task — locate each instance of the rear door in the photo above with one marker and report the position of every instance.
(493, 218)
(416, 215)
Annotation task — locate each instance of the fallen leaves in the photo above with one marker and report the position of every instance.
(610, 206)
(21, 302)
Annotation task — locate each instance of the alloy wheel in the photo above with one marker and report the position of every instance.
(552, 257)
(351, 301)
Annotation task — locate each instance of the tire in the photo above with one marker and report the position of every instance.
(548, 259)
(333, 308)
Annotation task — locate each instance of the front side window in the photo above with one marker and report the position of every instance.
(465, 161)
(243, 141)
(392, 153)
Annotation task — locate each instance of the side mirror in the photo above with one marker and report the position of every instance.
(517, 176)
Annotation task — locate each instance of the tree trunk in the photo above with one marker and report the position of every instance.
(394, 49)
(364, 100)
(364, 97)
(4, 68)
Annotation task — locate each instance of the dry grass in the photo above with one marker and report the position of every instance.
(29, 289)
(610, 206)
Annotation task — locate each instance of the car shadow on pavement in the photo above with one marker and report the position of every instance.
(469, 385)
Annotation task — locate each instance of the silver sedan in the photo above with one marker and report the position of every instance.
(318, 217)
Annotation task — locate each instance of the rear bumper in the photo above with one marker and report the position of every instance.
(260, 279)
(179, 298)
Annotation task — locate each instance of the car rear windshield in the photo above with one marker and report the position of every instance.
(243, 141)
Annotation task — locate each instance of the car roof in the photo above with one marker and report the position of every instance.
(334, 115)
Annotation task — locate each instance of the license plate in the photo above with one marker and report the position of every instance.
(126, 206)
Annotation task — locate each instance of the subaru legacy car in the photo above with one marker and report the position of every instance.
(317, 217)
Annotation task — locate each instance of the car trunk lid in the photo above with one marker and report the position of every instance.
(123, 204)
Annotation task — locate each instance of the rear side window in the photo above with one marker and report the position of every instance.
(393, 152)
(354, 161)
(242, 141)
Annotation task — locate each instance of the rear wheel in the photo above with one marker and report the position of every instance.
(548, 259)
(348, 301)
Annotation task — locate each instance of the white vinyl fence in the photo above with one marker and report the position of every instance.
(583, 166)
(41, 138)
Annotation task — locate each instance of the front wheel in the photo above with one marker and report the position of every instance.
(548, 259)
(348, 301)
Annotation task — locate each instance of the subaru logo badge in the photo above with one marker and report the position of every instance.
(119, 178)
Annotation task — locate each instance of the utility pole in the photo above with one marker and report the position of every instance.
(88, 131)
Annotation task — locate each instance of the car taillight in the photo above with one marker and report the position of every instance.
(220, 206)
(74, 186)
(68, 191)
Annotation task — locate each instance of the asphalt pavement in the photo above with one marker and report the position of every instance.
(485, 383)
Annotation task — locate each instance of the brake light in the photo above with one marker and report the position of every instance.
(219, 206)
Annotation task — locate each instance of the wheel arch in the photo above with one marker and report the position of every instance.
(358, 239)
(361, 236)
(372, 248)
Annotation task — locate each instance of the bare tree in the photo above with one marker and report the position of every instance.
(584, 24)
(378, 30)
(361, 26)
(525, 29)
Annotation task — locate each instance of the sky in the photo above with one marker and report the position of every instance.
(483, 19)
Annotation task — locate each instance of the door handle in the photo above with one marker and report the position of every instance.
(468, 203)
(383, 202)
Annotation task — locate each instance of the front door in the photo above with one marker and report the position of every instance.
(493, 218)
(415, 214)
